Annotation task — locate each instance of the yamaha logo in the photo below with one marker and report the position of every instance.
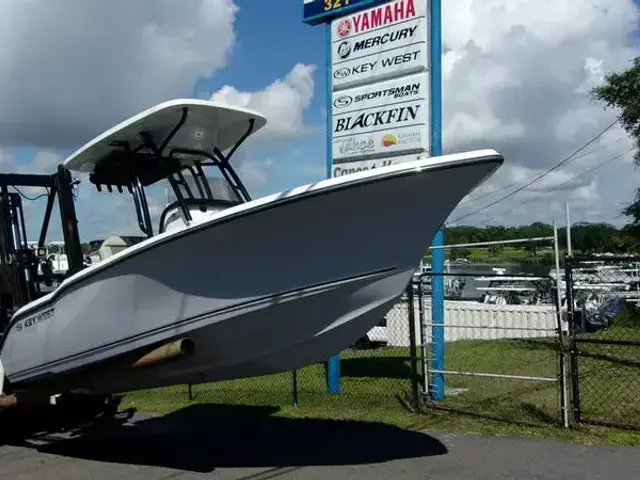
(344, 28)
(344, 49)
(343, 101)
(342, 73)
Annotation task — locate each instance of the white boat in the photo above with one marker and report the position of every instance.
(228, 288)
(515, 289)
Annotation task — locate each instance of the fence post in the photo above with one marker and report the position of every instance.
(561, 336)
(573, 353)
(423, 339)
(294, 381)
(332, 374)
(412, 346)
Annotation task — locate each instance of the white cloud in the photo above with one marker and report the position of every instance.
(517, 74)
(283, 102)
(69, 69)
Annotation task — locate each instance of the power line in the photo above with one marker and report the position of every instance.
(544, 174)
(557, 187)
(505, 187)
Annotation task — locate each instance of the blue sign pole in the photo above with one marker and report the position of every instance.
(333, 364)
(437, 254)
(320, 11)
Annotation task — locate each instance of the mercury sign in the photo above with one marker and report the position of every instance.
(350, 49)
(380, 97)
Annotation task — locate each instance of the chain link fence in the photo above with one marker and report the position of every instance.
(375, 374)
(508, 353)
(604, 294)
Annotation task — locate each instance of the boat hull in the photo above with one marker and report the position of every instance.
(265, 289)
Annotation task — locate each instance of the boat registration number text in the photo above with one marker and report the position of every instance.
(35, 319)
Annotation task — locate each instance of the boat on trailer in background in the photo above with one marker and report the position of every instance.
(179, 306)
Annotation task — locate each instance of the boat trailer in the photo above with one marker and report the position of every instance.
(20, 283)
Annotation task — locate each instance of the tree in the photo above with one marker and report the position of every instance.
(621, 91)
(585, 237)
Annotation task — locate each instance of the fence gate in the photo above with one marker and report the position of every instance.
(603, 299)
(498, 350)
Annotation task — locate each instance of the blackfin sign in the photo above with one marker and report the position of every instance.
(378, 118)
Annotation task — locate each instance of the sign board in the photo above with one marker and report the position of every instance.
(375, 42)
(380, 84)
(403, 61)
(396, 141)
(384, 118)
(380, 94)
(322, 11)
(339, 169)
(382, 14)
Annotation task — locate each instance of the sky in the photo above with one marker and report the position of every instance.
(516, 77)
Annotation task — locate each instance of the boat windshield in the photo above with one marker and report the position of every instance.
(198, 194)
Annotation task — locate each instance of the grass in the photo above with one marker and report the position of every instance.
(376, 387)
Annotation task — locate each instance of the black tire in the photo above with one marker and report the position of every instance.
(12, 430)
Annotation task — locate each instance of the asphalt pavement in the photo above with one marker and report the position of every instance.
(204, 441)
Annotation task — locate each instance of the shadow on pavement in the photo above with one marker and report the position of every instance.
(201, 438)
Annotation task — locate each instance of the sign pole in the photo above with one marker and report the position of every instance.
(437, 254)
(378, 104)
(333, 364)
